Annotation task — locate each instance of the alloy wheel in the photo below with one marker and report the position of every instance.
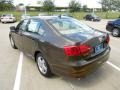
(115, 32)
(42, 65)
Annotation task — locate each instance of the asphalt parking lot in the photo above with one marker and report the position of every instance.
(105, 78)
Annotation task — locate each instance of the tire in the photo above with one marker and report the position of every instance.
(116, 32)
(4, 22)
(43, 66)
(12, 43)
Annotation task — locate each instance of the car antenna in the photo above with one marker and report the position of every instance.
(60, 16)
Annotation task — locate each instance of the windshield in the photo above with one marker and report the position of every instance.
(69, 26)
(94, 15)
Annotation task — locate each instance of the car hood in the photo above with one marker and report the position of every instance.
(97, 17)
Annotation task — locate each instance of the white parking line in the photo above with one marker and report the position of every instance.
(114, 66)
(18, 74)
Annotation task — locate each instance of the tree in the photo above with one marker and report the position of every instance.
(108, 5)
(74, 6)
(20, 4)
(6, 5)
(40, 2)
(48, 5)
(85, 8)
(6, 1)
(116, 4)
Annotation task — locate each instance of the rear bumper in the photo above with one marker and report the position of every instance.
(7, 20)
(81, 70)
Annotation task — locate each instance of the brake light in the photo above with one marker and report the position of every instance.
(81, 50)
(107, 39)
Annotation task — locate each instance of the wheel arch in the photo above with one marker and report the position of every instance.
(35, 54)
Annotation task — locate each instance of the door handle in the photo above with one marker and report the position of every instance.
(27, 34)
(33, 38)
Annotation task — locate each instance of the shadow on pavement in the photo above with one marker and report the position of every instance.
(91, 80)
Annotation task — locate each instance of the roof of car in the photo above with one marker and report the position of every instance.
(49, 17)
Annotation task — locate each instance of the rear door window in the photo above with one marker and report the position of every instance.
(36, 26)
(33, 26)
(41, 30)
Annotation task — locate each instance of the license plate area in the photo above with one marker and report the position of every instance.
(99, 48)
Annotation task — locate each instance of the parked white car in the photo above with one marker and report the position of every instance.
(25, 16)
(7, 18)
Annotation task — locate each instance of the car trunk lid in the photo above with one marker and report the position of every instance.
(95, 39)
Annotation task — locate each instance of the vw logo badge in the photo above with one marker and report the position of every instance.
(100, 39)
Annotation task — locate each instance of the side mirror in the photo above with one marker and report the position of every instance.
(12, 28)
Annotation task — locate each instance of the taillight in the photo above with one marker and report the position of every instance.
(107, 39)
(81, 50)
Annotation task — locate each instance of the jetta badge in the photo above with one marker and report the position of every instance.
(100, 39)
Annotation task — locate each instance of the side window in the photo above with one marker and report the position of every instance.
(41, 30)
(22, 25)
(33, 26)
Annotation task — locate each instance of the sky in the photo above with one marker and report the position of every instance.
(62, 3)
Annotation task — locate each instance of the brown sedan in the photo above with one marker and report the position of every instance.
(61, 45)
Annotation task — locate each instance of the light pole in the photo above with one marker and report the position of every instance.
(93, 10)
(26, 9)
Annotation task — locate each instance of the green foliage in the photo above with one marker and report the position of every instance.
(108, 5)
(48, 5)
(117, 4)
(74, 6)
(84, 8)
(6, 5)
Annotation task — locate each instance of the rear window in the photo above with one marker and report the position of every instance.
(69, 26)
(94, 15)
(33, 26)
